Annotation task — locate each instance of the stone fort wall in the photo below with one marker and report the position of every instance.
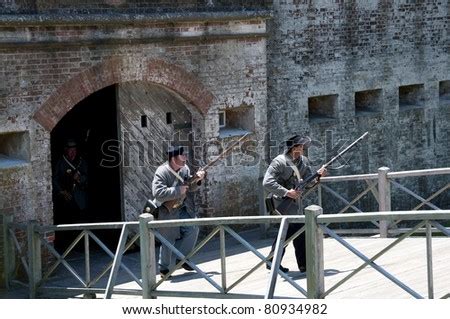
(49, 65)
(337, 69)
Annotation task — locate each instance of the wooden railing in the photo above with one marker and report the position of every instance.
(145, 230)
(380, 187)
(316, 225)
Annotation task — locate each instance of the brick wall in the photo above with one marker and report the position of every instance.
(313, 50)
(46, 78)
(342, 47)
(2, 249)
(339, 48)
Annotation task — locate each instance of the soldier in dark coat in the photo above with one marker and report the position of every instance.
(70, 181)
(284, 172)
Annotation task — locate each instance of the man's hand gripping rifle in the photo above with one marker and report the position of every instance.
(286, 202)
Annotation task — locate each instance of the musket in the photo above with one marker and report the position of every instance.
(286, 202)
(176, 203)
(193, 179)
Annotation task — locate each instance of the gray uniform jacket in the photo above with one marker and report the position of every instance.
(280, 178)
(166, 186)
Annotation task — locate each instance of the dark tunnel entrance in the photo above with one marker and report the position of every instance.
(91, 123)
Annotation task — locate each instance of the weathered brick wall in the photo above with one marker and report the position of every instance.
(314, 49)
(2, 249)
(17, 193)
(59, 67)
(4, 219)
(321, 48)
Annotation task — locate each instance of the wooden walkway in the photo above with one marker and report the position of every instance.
(406, 261)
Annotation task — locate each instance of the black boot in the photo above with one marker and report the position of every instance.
(283, 269)
(185, 266)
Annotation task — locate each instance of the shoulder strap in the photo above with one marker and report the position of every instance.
(293, 166)
(69, 163)
(175, 173)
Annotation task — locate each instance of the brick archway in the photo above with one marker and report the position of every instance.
(114, 71)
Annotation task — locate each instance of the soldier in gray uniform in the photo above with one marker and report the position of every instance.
(175, 200)
(280, 179)
(70, 183)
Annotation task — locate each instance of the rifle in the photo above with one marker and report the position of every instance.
(176, 203)
(286, 202)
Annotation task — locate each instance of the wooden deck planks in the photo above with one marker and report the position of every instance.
(406, 261)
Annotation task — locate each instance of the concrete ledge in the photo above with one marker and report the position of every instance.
(127, 29)
(124, 18)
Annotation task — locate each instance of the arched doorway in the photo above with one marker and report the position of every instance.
(91, 122)
(123, 131)
(90, 87)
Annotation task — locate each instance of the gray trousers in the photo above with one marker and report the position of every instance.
(188, 236)
(184, 240)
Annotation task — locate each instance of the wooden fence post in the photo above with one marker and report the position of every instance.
(384, 200)
(430, 261)
(148, 262)
(276, 260)
(314, 253)
(8, 252)
(34, 257)
(264, 227)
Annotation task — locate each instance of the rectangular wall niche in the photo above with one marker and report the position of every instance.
(444, 93)
(322, 107)
(368, 102)
(222, 119)
(14, 148)
(236, 121)
(411, 96)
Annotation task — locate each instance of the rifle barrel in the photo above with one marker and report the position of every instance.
(345, 150)
(225, 152)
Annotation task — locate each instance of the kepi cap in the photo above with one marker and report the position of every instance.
(175, 151)
(70, 143)
(298, 140)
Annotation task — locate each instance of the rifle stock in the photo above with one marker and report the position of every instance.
(287, 202)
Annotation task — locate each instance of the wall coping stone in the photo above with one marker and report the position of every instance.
(121, 18)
